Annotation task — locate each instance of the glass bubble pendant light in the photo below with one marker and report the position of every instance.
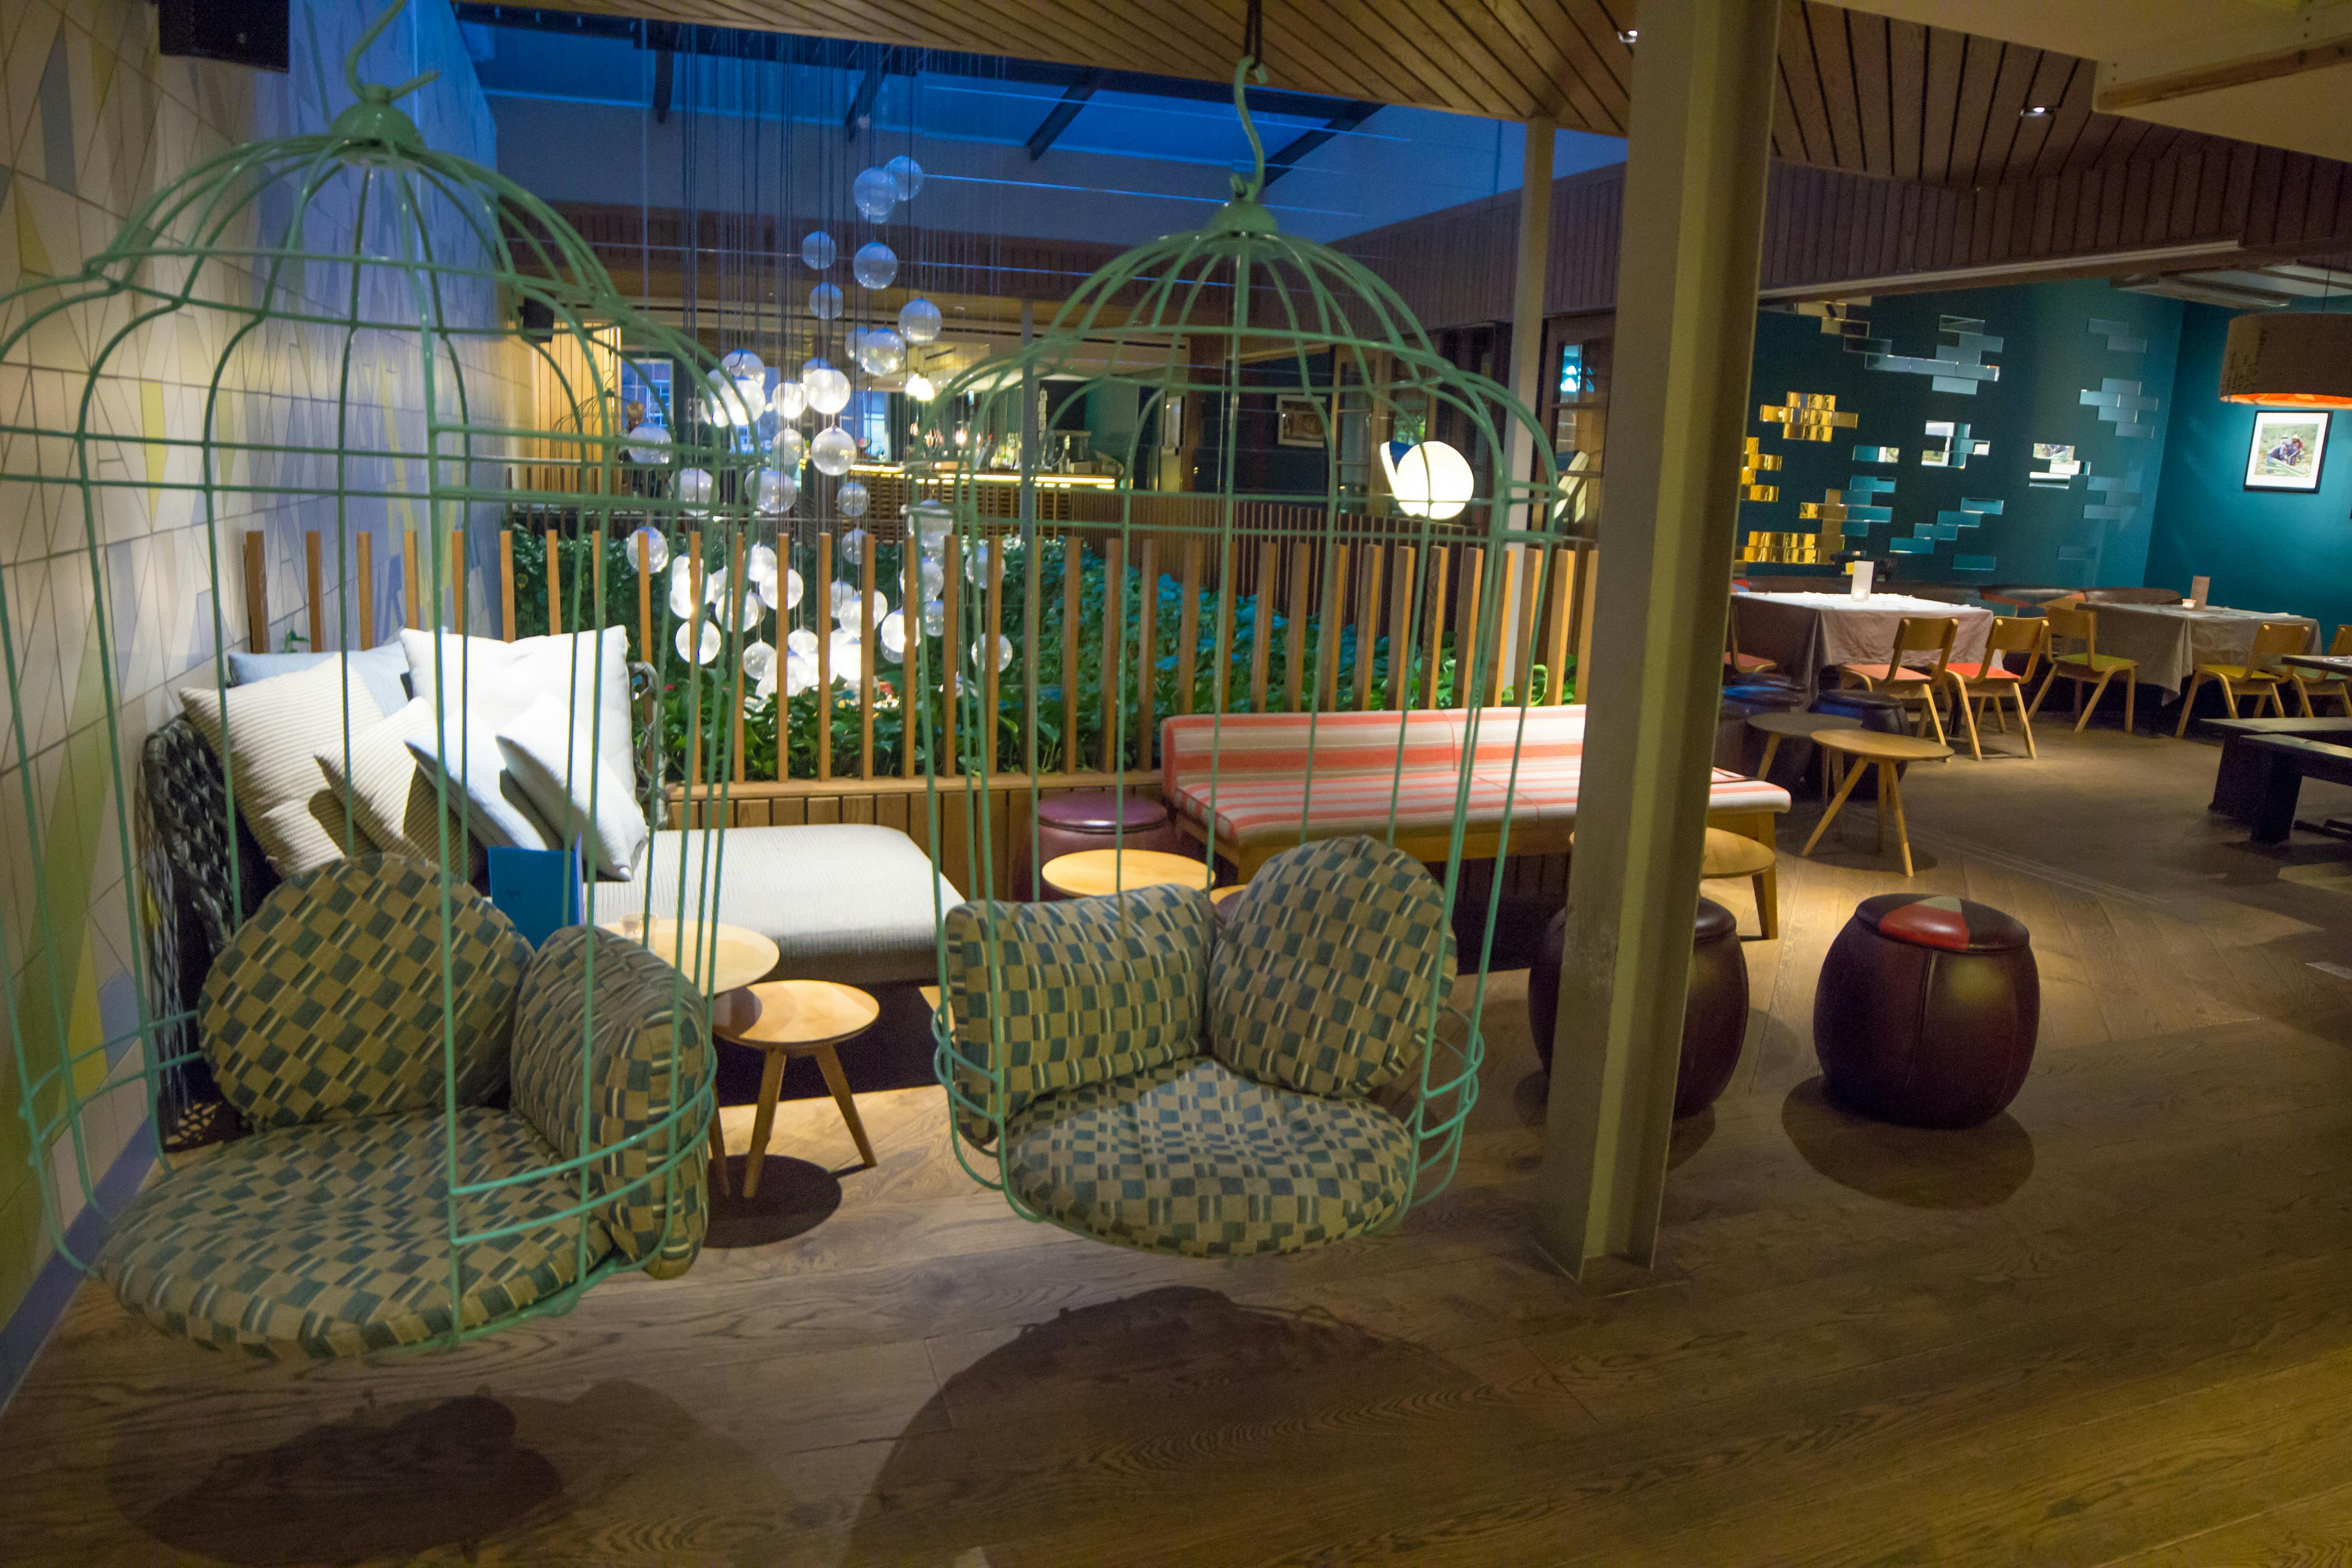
(906, 174)
(874, 265)
(824, 301)
(833, 451)
(817, 250)
(875, 193)
(918, 320)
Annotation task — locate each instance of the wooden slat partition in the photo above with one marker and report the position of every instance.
(555, 587)
(363, 556)
(314, 575)
(1262, 624)
(1073, 570)
(1367, 623)
(1330, 615)
(1435, 631)
(506, 585)
(993, 627)
(822, 589)
(910, 572)
(1466, 626)
(414, 605)
(646, 649)
(866, 654)
(457, 579)
(734, 602)
(256, 592)
(1400, 642)
(1147, 642)
(1294, 641)
(1561, 592)
(694, 770)
(1114, 629)
(951, 660)
(1188, 626)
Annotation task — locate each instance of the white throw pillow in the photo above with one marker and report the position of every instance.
(498, 813)
(590, 668)
(275, 730)
(396, 802)
(547, 752)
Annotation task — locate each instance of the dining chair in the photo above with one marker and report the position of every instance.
(2311, 683)
(1909, 682)
(2258, 676)
(1735, 663)
(2074, 623)
(1991, 678)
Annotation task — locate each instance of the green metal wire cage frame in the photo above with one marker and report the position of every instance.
(349, 211)
(1357, 349)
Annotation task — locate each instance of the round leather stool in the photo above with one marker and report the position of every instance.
(1715, 1012)
(1927, 1010)
(1093, 820)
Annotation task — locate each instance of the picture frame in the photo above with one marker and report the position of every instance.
(2288, 450)
(1299, 420)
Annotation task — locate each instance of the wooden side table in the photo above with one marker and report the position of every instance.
(726, 958)
(1091, 873)
(788, 1018)
(1779, 726)
(1887, 751)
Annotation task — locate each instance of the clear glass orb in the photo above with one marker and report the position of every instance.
(648, 551)
(919, 388)
(933, 575)
(706, 651)
(935, 617)
(802, 642)
(851, 546)
(824, 301)
(976, 559)
(817, 250)
(800, 672)
(876, 194)
(1003, 653)
(759, 563)
(787, 401)
(847, 654)
(775, 489)
(882, 352)
(931, 523)
(905, 176)
(648, 443)
(890, 634)
(828, 390)
(790, 452)
(833, 451)
(851, 500)
(759, 662)
(748, 610)
(742, 364)
(783, 591)
(875, 264)
(919, 319)
(694, 487)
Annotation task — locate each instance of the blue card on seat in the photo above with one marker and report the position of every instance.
(539, 890)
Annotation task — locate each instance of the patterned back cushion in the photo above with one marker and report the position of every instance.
(1321, 982)
(327, 1003)
(1092, 989)
(641, 1010)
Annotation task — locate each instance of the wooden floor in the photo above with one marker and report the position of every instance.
(2115, 1325)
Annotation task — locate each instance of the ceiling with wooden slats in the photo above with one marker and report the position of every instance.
(1859, 91)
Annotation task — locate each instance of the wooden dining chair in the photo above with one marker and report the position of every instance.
(2073, 623)
(1735, 663)
(2311, 683)
(1993, 679)
(2259, 676)
(1923, 683)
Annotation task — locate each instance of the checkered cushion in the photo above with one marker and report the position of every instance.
(1322, 978)
(328, 1002)
(642, 1010)
(1089, 989)
(1188, 1157)
(332, 1239)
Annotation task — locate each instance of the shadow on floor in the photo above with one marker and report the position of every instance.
(1973, 1167)
(795, 1196)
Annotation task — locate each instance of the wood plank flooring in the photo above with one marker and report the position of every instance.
(2113, 1326)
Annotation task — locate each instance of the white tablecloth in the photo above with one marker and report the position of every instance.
(2169, 641)
(1807, 633)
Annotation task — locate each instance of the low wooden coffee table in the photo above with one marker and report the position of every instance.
(1887, 752)
(790, 1018)
(1779, 726)
(1090, 873)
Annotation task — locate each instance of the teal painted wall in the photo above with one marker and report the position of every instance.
(2049, 357)
(2263, 549)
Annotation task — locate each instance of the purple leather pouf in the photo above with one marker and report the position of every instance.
(1715, 1012)
(1926, 1011)
(1069, 823)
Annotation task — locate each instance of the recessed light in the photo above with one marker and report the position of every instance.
(1627, 35)
(2034, 112)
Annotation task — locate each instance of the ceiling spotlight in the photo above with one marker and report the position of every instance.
(2034, 111)
(1628, 34)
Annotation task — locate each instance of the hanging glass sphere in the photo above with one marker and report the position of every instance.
(851, 547)
(875, 264)
(694, 487)
(976, 559)
(824, 301)
(851, 500)
(740, 614)
(935, 617)
(703, 653)
(800, 673)
(780, 592)
(648, 551)
(827, 388)
(833, 451)
(681, 586)
(648, 443)
(881, 352)
(742, 364)
(919, 319)
(890, 632)
(759, 563)
(1003, 653)
(818, 249)
(790, 452)
(933, 572)
(721, 404)
(759, 662)
(875, 193)
(787, 401)
(905, 176)
(775, 489)
(919, 388)
(847, 657)
(931, 523)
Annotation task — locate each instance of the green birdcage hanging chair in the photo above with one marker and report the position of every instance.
(397, 353)
(1293, 1064)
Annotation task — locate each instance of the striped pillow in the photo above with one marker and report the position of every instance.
(268, 736)
(393, 801)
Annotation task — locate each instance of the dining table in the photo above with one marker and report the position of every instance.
(2169, 641)
(1808, 634)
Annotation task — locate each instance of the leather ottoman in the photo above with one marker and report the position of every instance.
(1715, 1012)
(1927, 1010)
(1093, 819)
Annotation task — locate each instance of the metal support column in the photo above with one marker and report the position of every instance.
(1693, 214)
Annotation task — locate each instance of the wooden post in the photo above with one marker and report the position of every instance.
(256, 592)
(1439, 557)
(1296, 641)
(1147, 667)
(414, 605)
(1072, 568)
(1368, 625)
(822, 588)
(693, 768)
(1467, 590)
(866, 654)
(555, 586)
(1698, 151)
(1588, 587)
(1562, 592)
(1262, 624)
(506, 585)
(734, 608)
(1114, 631)
(363, 571)
(992, 618)
(1400, 642)
(951, 660)
(457, 577)
(910, 566)
(1187, 627)
(645, 650)
(1331, 617)
(315, 576)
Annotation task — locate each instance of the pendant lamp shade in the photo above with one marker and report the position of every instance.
(2297, 359)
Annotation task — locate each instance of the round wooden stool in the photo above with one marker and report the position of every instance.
(788, 1018)
(1887, 752)
(1778, 727)
(1090, 873)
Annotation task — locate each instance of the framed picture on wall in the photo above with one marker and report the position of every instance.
(1300, 420)
(2288, 447)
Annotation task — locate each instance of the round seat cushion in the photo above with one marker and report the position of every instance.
(1941, 921)
(1190, 1157)
(332, 1239)
(1101, 810)
(1090, 819)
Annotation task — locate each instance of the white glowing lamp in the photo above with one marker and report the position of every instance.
(1431, 480)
